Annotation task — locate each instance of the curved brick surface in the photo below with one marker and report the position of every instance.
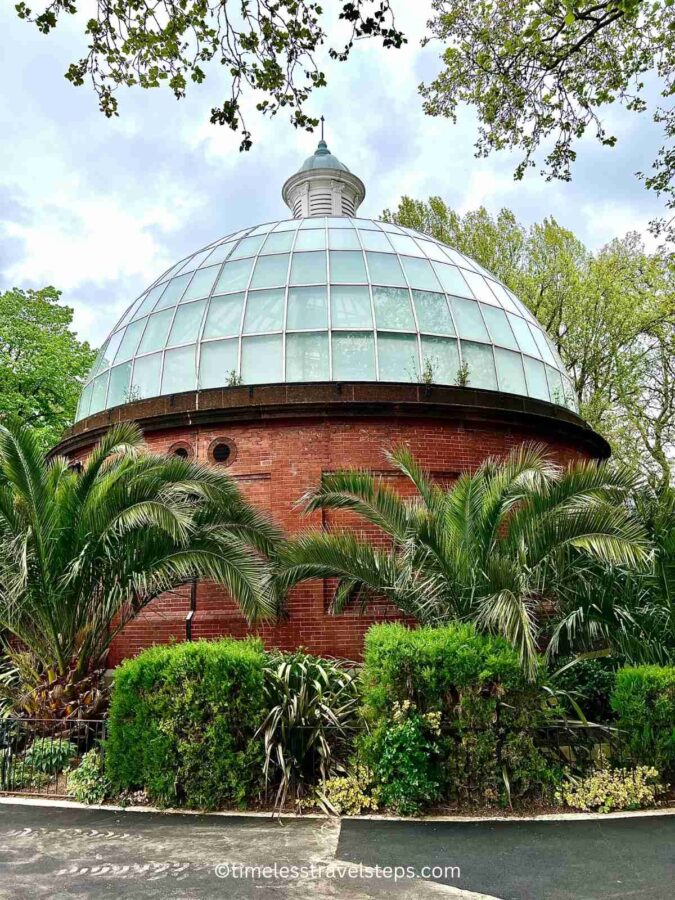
(278, 457)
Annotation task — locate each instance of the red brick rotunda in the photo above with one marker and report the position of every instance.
(311, 344)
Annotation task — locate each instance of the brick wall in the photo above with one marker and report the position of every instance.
(275, 462)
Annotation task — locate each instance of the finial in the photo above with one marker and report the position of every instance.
(322, 121)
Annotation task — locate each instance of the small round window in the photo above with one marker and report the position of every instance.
(182, 450)
(222, 451)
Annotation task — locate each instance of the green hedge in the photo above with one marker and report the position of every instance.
(461, 702)
(182, 723)
(644, 701)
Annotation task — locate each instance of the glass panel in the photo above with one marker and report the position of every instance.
(404, 244)
(432, 250)
(441, 357)
(100, 386)
(535, 372)
(343, 239)
(287, 225)
(218, 363)
(128, 314)
(544, 349)
(234, 276)
(307, 356)
(196, 261)
(112, 347)
(510, 372)
(503, 296)
(99, 362)
(524, 311)
(313, 222)
(420, 274)
(376, 240)
(224, 316)
(264, 311)
(130, 341)
(151, 298)
(118, 392)
(433, 313)
(570, 396)
(220, 253)
(187, 323)
(385, 269)
(353, 356)
(555, 386)
(270, 271)
(263, 229)
(339, 222)
(452, 281)
(469, 320)
(154, 337)
(311, 240)
(498, 326)
(279, 242)
(261, 359)
(307, 307)
(248, 247)
(479, 287)
(347, 266)
(145, 380)
(85, 402)
(201, 284)
(457, 258)
(481, 366)
(173, 293)
(397, 357)
(393, 309)
(523, 335)
(350, 307)
(308, 268)
(179, 370)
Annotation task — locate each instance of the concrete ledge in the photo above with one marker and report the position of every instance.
(470, 407)
(266, 814)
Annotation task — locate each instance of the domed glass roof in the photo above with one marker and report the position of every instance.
(325, 299)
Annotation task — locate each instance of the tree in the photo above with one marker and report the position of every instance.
(82, 552)
(611, 315)
(495, 548)
(540, 75)
(267, 47)
(41, 361)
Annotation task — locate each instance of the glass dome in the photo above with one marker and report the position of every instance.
(325, 299)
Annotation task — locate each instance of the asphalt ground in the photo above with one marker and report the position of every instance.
(49, 852)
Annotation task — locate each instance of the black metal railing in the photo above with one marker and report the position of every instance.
(36, 755)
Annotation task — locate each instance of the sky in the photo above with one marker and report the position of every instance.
(98, 208)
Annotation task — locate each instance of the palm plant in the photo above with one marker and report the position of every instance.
(494, 548)
(81, 553)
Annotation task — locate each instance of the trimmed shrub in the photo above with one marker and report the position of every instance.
(182, 723)
(452, 716)
(644, 701)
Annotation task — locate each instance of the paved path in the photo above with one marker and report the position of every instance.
(74, 853)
